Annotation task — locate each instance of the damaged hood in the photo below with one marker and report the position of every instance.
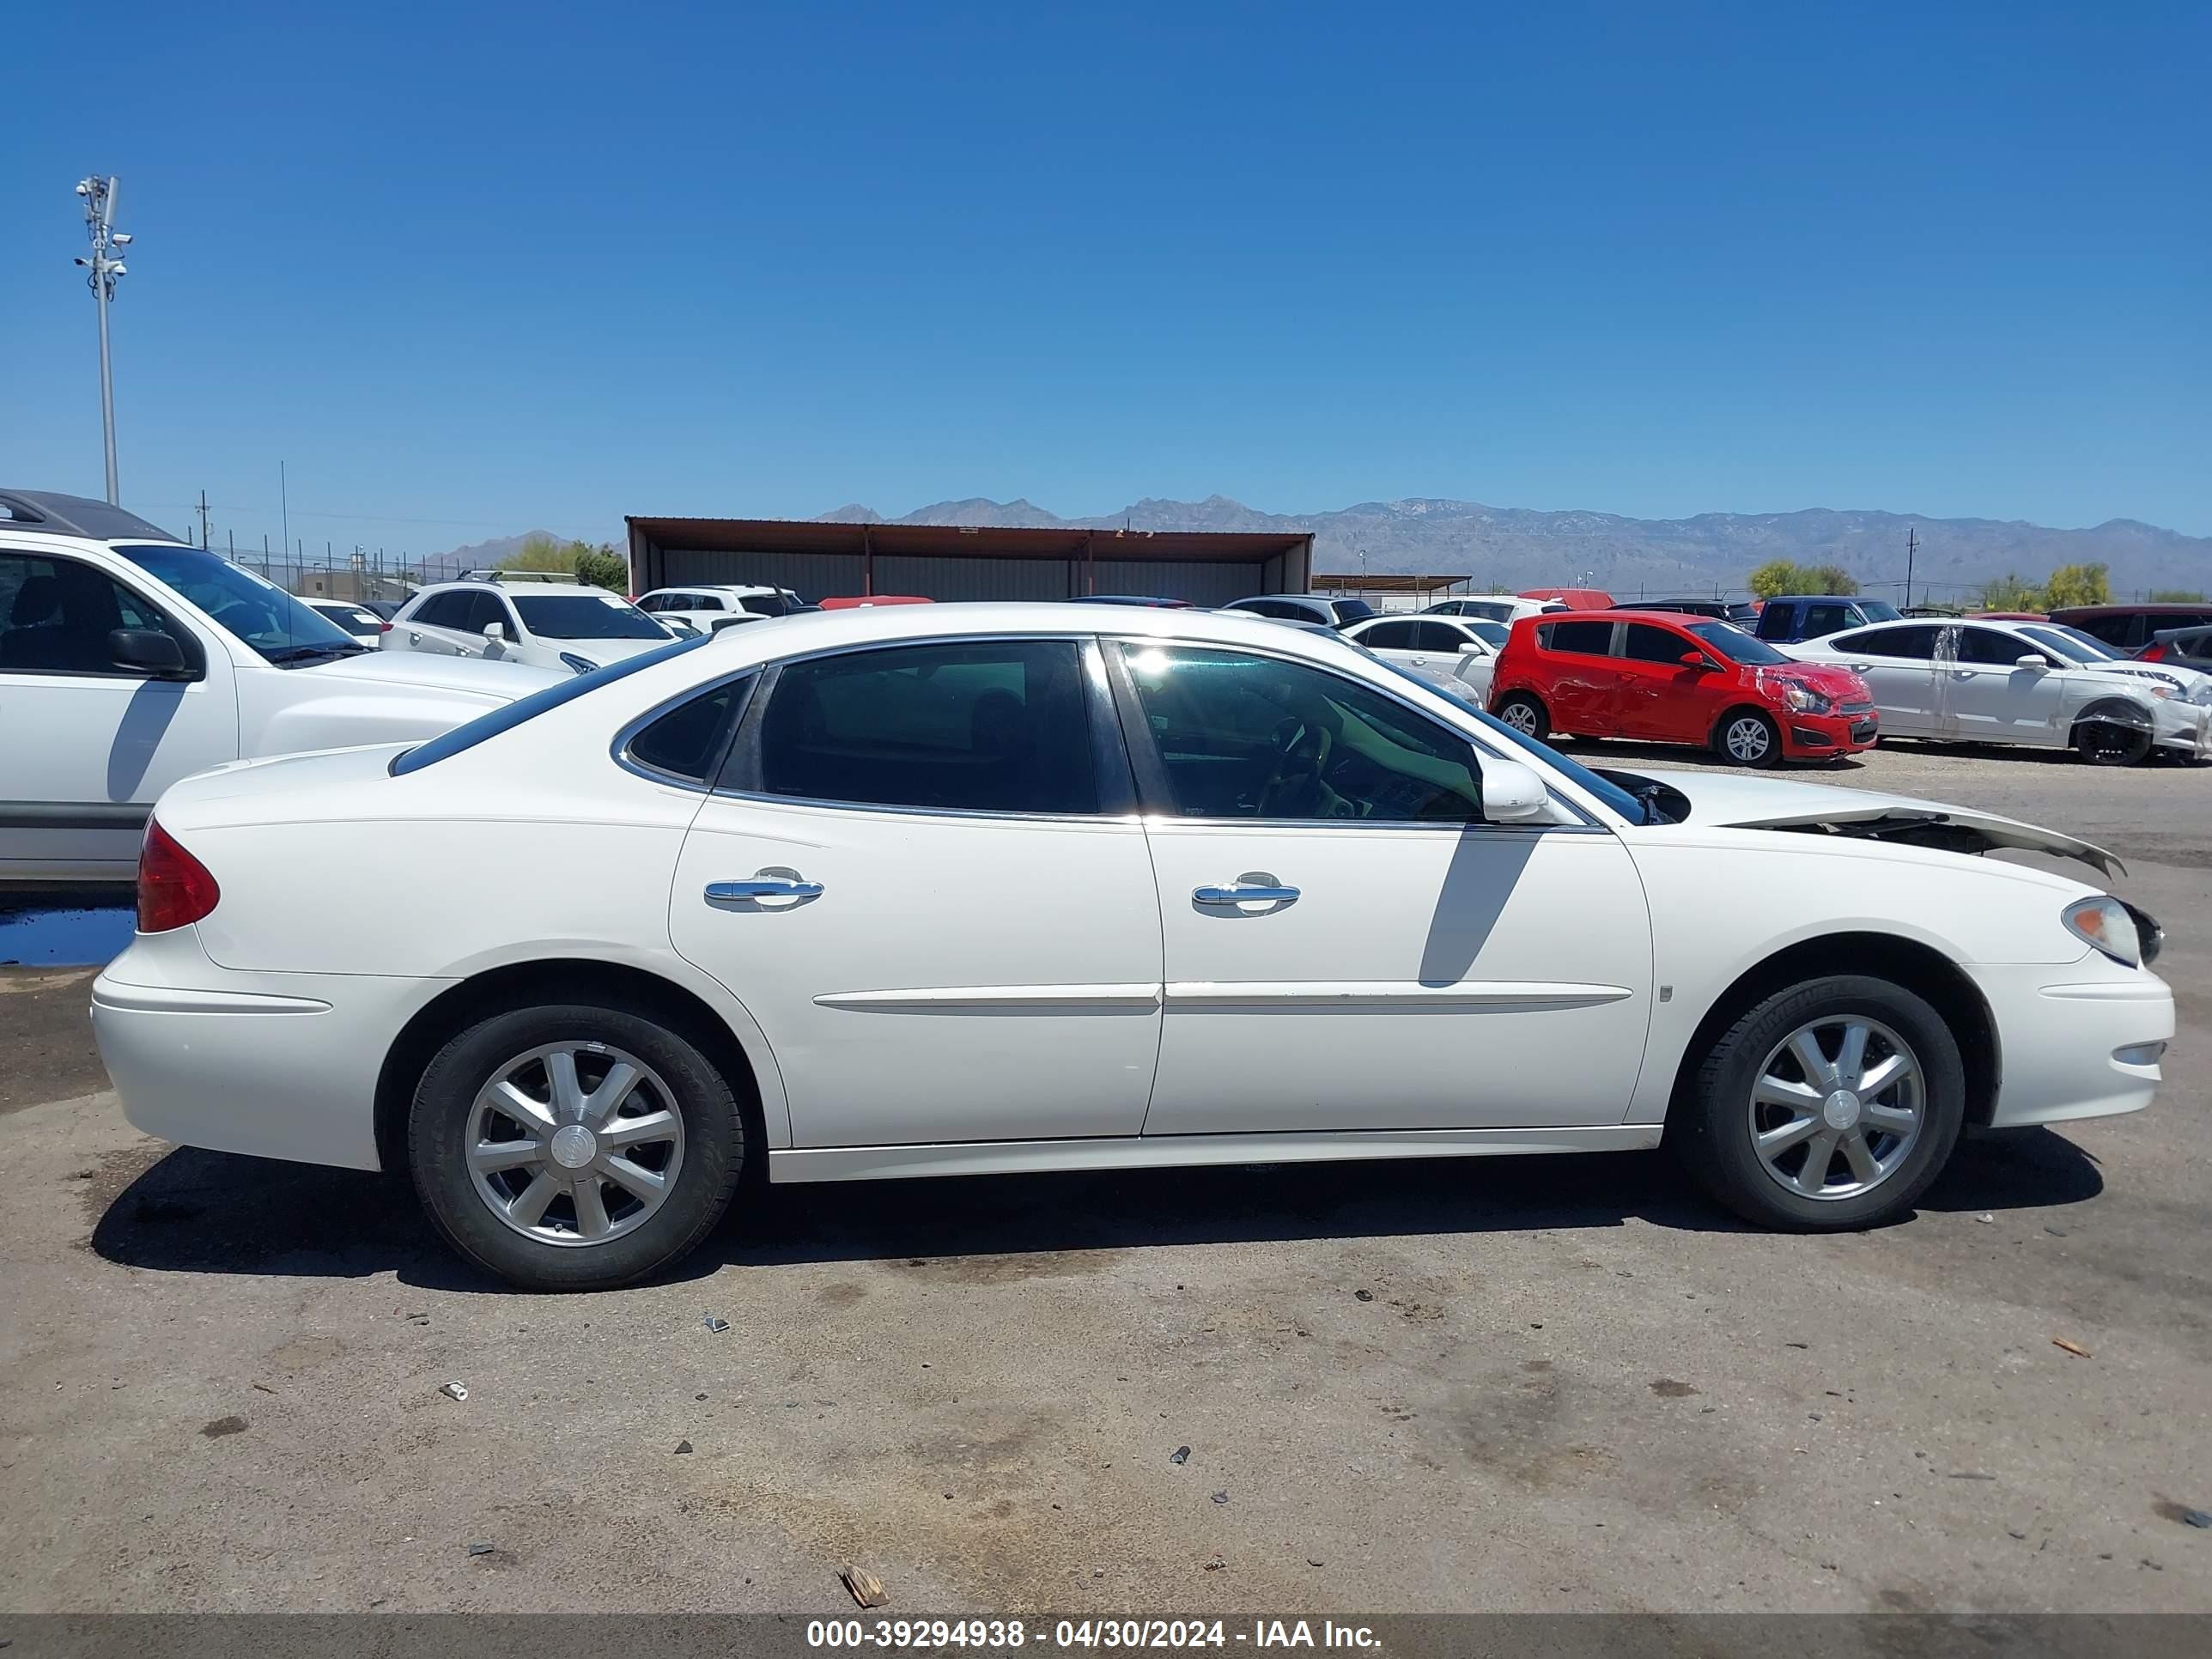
(1748, 803)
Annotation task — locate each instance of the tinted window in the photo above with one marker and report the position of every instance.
(2055, 641)
(1726, 639)
(584, 616)
(1986, 644)
(2113, 630)
(1242, 737)
(1390, 636)
(1777, 621)
(528, 708)
(1494, 634)
(999, 728)
(1589, 639)
(1648, 644)
(1351, 611)
(1821, 619)
(1442, 638)
(687, 740)
(55, 615)
(1875, 610)
(443, 610)
(485, 609)
(1917, 644)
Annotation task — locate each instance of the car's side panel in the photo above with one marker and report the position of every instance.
(957, 978)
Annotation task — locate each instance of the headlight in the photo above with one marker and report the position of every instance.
(1804, 699)
(577, 664)
(2103, 923)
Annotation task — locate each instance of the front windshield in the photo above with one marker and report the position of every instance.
(586, 616)
(1494, 634)
(1611, 794)
(1876, 610)
(255, 612)
(2072, 642)
(1737, 646)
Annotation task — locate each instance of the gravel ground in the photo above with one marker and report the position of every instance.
(1458, 1385)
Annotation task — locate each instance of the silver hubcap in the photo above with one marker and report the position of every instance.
(1837, 1108)
(574, 1143)
(1520, 717)
(1747, 740)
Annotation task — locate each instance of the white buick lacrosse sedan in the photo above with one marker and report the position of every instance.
(954, 888)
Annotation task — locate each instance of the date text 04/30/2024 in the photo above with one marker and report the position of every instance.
(1004, 1635)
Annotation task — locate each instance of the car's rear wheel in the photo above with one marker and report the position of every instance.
(1525, 714)
(574, 1147)
(1826, 1106)
(1749, 738)
(2109, 743)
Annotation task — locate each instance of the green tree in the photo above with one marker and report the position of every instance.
(602, 566)
(1773, 579)
(2078, 584)
(539, 551)
(1779, 576)
(2176, 596)
(1828, 578)
(2009, 592)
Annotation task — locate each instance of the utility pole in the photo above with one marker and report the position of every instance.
(1911, 546)
(284, 502)
(204, 522)
(101, 269)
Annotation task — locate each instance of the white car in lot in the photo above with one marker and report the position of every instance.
(1494, 607)
(544, 624)
(2021, 681)
(358, 621)
(1442, 649)
(955, 888)
(710, 605)
(128, 660)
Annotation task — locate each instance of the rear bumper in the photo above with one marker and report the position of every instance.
(2080, 1041)
(270, 1065)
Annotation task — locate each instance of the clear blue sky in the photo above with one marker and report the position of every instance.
(472, 269)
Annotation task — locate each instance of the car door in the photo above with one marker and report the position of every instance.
(923, 875)
(1460, 658)
(1392, 640)
(1582, 675)
(1992, 699)
(1349, 946)
(86, 746)
(1899, 665)
(438, 625)
(1661, 699)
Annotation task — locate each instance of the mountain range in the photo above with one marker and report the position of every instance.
(1517, 547)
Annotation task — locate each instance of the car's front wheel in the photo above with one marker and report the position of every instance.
(1826, 1106)
(1750, 738)
(574, 1146)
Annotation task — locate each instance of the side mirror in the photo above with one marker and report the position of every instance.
(1512, 792)
(1697, 659)
(1471, 647)
(147, 651)
(2032, 659)
(496, 632)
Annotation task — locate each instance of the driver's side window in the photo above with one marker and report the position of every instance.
(1243, 737)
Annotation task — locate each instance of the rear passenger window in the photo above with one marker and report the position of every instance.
(1649, 644)
(1821, 619)
(998, 727)
(443, 610)
(1589, 639)
(1917, 644)
(1390, 636)
(687, 741)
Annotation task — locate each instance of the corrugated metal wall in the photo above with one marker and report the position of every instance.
(818, 575)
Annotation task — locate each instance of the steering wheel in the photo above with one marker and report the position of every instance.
(1302, 753)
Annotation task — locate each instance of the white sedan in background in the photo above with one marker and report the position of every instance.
(1441, 649)
(1494, 607)
(540, 624)
(2021, 681)
(826, 902)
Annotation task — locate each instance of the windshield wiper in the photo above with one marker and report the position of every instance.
(296, 653)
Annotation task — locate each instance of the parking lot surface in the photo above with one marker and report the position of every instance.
(1564, 1383)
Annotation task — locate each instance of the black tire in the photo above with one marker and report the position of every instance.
(2108, 742)
(714, 1146)
(1763, 758)
(1539, 718)
(1710, 1128)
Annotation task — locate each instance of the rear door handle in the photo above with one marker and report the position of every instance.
(763, 887)
(1242, 892)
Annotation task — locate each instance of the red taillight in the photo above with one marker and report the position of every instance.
(384, 627)
(2156, 654)
(174, 888)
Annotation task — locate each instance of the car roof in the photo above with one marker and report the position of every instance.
(534, 590)
(57, 514)
(2163, 608)
(827, 630)
(748, 589)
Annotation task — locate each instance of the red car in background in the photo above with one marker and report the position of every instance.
(1661, 678)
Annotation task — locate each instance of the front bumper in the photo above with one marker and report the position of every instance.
(1818, 737)
(2075, 1042)
(2185, 726)
(271, 1064)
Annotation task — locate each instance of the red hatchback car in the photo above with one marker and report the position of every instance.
(1661, 678)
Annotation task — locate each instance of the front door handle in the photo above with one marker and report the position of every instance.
(762, 886)
(1243, 891)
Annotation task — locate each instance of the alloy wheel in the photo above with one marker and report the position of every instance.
(1521, 716)
(574, 1143)
(1837, 1107)
(1747, 740)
